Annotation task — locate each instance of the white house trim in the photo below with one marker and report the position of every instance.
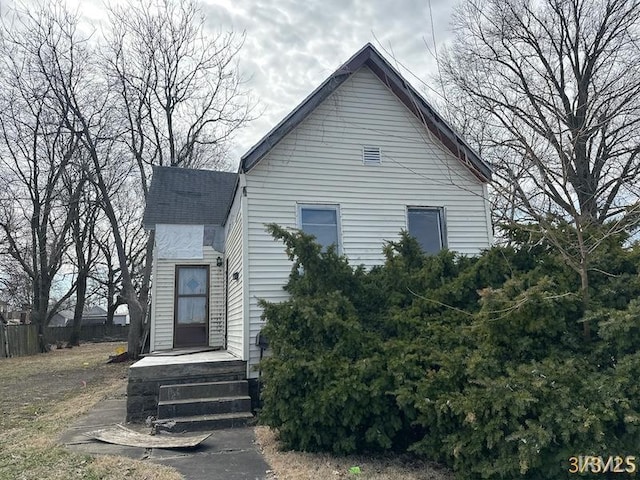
(246, 265)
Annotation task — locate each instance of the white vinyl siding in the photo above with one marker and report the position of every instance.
(163, 295)
(321, 162)
(235, 310)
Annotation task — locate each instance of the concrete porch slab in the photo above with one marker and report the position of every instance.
(164, 358)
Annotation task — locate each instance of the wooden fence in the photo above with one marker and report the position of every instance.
(89, 333)
(20, 340)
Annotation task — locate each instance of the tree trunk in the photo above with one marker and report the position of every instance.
(584, 277)
(136, 318)
(39, 313)
(137, 325)
(81, 291)
(111, 310)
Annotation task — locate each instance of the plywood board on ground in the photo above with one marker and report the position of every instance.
(120, 435)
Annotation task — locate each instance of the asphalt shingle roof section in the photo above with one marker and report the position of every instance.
(182, 196)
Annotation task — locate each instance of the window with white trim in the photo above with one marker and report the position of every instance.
(321, 221)
(426, 224)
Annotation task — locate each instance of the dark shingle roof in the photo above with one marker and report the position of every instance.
(368, 56)
(183, 196)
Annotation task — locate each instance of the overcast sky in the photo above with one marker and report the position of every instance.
(293, 45)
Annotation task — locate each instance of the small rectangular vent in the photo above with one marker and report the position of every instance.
(371, 156)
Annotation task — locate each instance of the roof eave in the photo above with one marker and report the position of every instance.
(260, 149)
(429, 117)
(298, 114)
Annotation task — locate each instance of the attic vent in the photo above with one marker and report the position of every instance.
(371, 156)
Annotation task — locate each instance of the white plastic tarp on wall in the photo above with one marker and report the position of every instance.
(179, 241)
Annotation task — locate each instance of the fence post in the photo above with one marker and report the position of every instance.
(4, 341)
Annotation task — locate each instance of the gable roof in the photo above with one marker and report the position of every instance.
(94, 311)
(182, 196)
(66, 314)
(368, 56)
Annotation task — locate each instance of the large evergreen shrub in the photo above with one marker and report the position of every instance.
(476, 362)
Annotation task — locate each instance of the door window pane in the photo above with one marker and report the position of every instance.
(192, 295)
(192, 310)
(192, 281)
(425, 224)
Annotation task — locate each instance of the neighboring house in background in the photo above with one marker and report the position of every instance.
(120, 319)
(15, 317)
(92, 316)
(360, 159)
(61, 318)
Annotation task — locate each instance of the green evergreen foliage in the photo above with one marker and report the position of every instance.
(479, 363)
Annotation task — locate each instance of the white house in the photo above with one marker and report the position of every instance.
(361, 158)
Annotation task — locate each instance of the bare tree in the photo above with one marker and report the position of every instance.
(160, 92)
(84, 214)
(557, 87)
(179, 89)
(15, 285)
(179, 95)
(107, 275)
(35, 152)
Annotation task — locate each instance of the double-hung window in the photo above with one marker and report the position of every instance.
(321, 221)
(426, 224)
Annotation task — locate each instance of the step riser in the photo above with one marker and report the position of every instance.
(230, 370)
(204, 390)
(203, 425)
(208, 407)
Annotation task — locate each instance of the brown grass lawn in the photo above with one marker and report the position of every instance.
(314, 466)
(40, 395)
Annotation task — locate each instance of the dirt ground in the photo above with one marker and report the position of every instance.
(40, 395)
(287, 465)
(29, 382)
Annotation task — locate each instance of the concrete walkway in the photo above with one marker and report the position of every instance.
(226, 455)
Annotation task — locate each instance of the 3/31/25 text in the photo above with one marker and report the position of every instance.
(599, 464)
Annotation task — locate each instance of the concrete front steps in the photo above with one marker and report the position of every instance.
(154, 371)
(203, 406)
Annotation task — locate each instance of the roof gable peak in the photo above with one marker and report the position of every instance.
(369, 56)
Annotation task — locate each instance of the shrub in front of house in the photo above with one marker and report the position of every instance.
(479, 363)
